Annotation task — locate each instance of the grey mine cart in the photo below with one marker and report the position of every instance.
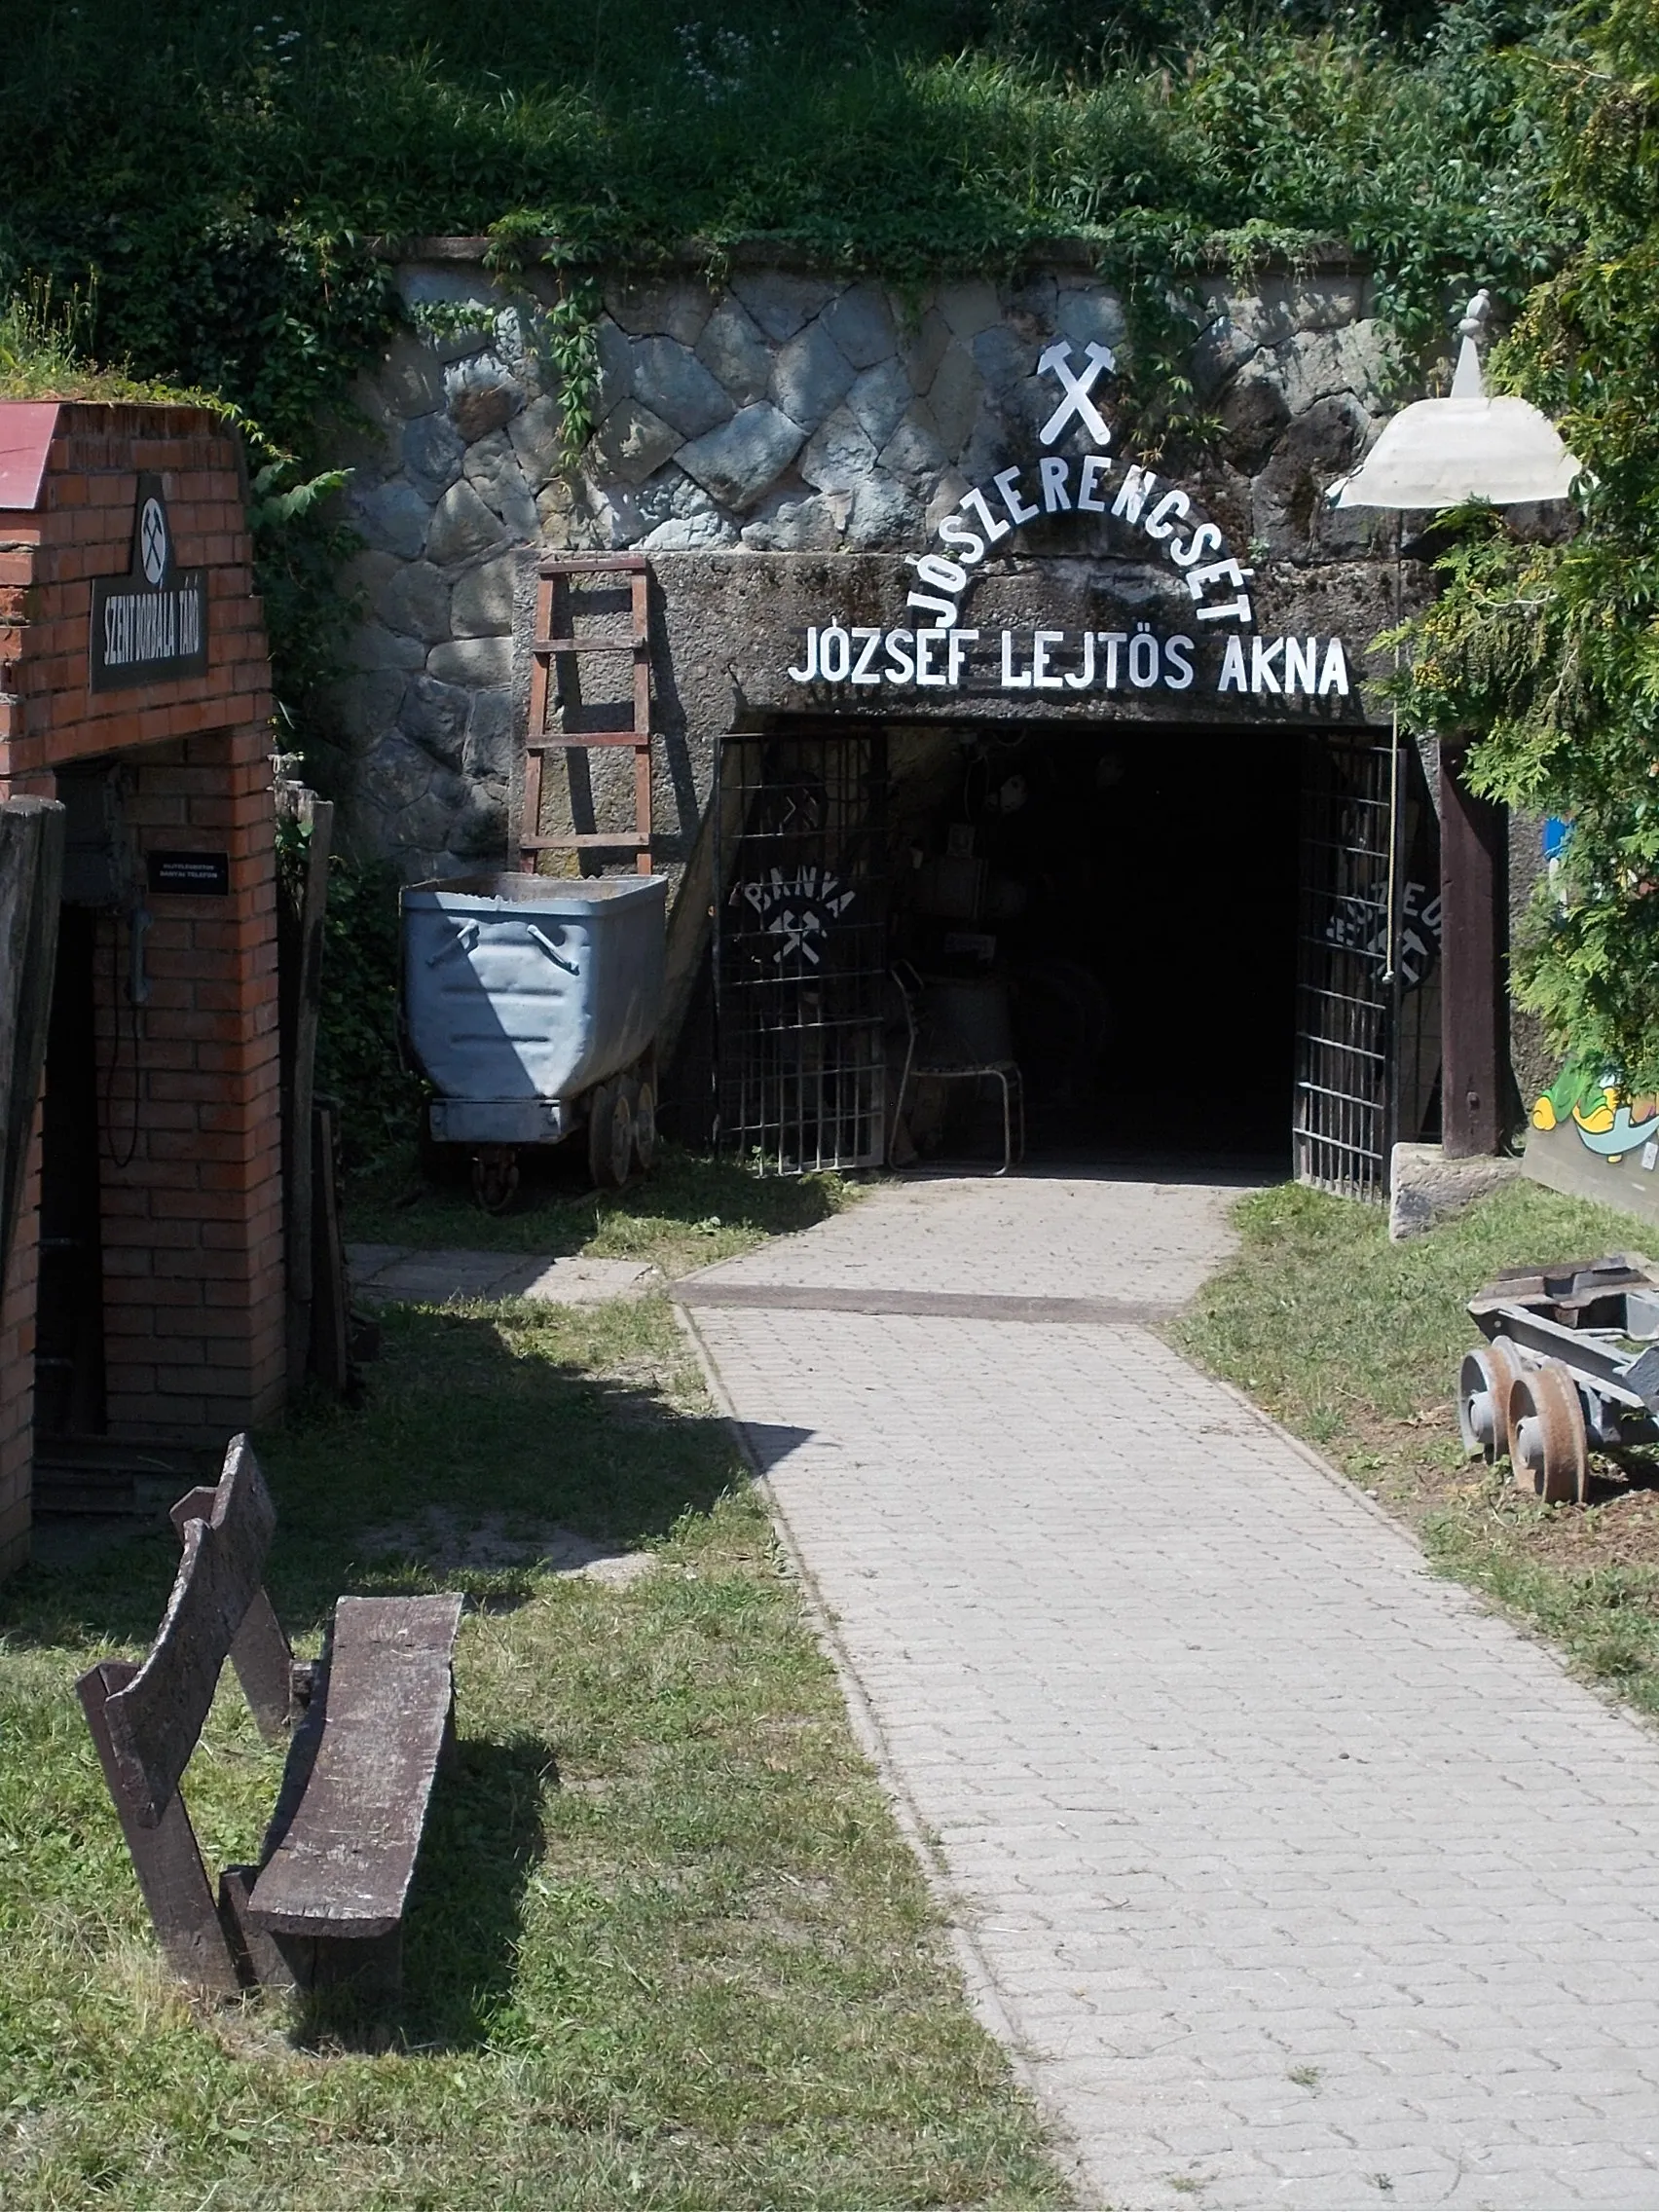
(531, 1001)
(368, 1725)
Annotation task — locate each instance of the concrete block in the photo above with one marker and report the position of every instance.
(668, 306)
(674, 384)
(434, 718)
(537, 439)
(393, 518)
(414, 601)
(861, 322)
(483, 602)
(781, 302)
(375, 647)
(476, 662)
(839, 455)
(877, 402)
(810, 375)
(633, 443)
(432, 448)
(492, 470)
(1425, 1187)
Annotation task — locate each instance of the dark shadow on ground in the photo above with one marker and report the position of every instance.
(485, 1835)
(466, 1428)
(457, 1428)
(556, 1209)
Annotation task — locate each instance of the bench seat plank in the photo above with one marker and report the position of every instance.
(341, 1854)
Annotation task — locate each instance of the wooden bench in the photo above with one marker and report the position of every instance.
(370, 1723)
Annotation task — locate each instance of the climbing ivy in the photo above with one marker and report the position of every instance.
(1548, 652)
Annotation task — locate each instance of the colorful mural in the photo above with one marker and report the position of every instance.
(1605, 1121)
(1589, 1138)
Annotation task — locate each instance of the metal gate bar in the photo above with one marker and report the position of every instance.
(1348, 1002)
(800, 950)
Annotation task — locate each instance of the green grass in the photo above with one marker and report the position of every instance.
(689, 1212)
(667, 1948)
(1354, 1343)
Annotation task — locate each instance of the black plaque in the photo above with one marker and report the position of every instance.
(149, 626)
(192, 875)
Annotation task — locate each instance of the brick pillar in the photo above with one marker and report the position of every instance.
(193, 1219)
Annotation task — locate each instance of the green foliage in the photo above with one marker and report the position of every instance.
(358, 1058)
(225, 169)
(43, 351)
(1550, 651)
(298, 550)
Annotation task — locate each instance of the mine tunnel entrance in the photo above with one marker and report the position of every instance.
(1178, 941)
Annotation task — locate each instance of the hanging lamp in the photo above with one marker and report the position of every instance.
(1439, 452)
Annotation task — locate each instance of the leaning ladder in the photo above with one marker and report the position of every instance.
(586, 724)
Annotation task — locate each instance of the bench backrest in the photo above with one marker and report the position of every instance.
(155, 1721)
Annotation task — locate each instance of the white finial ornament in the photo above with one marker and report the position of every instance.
(1439, 453)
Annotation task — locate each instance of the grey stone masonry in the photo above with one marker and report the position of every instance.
(786, 414)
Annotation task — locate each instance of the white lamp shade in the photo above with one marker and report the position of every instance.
(1439, 453)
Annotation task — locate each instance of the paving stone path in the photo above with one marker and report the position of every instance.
(1294, 1876)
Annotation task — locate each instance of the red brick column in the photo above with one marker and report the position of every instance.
(190, 1151)
(191, 1168)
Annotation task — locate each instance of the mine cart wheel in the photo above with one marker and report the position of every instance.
(610, 1135)
(494, 1177)
(1484, 1383)
(1550, 1454)
(644, 1124)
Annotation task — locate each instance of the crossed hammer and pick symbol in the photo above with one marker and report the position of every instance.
(1056, 362)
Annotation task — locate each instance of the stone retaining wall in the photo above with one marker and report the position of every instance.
(777, 446)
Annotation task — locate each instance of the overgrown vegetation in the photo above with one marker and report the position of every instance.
(1354, 1343)
(1549, 654)
(224, 168)
(668, 1948)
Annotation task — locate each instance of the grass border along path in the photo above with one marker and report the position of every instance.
(668, 1947)
(1353, 1344)
(689, 1212)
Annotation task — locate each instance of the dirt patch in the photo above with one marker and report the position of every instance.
(1416, 1467)
(445, 1542)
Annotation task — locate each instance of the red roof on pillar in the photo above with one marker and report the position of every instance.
(26, 426)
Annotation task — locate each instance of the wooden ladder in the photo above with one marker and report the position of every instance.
(585, 725)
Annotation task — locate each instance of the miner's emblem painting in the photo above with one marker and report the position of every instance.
(149, 626)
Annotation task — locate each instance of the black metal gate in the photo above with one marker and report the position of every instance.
(1367, 1043)
(800, 949)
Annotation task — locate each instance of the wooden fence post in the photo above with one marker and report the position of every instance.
(307, 905)
(1472, 855)
(31, 883)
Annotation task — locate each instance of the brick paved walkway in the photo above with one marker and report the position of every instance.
(1297, 1878)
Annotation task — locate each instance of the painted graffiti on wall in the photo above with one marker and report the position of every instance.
(1588, 1099)
(1354, 925)
(798, 910)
